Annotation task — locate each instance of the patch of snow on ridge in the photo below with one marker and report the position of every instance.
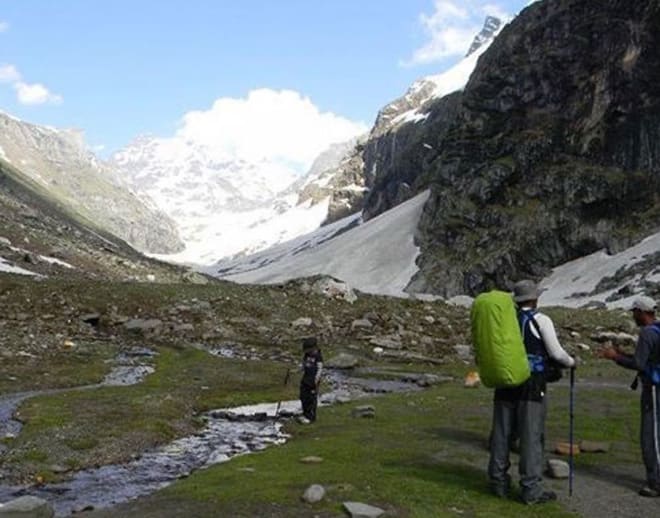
(571, 283)
(375, 257)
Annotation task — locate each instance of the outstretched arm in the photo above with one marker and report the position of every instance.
(552, 345)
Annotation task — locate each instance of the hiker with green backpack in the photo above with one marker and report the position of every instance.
(514, 347)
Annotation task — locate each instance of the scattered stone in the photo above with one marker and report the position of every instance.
(302, 322)
(334, 289)
(564, 448)
(364, 411)
(430, 319)
(343, 361)
(311, 459)
(314, 494)
(143, 326)
(360, 510)
(361, 323)
(28, 507)
(464, 352)
(614, 338)
(461, 300)
(472, 380)
(92, 319)
(583, 347)
(594, 447)
(557, 469)
(387, 342)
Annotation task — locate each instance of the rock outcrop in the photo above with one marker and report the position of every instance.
(551, 152)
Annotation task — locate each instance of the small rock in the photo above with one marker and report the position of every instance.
(343, 361)
(364, 411)
(313, 494)
(360, 510)
(430, 319)
(594, 447)
(361, 323)
(463, 352)
(558, 468)
(583, 347)
(387, 342)
(302, 322)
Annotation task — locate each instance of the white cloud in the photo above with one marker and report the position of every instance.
(35, 93)
(450, 29)
(27, 93)
(4, 26)
(9, 74)
(278, 126)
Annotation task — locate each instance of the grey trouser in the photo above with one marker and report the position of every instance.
(650, 434)
(526, 419)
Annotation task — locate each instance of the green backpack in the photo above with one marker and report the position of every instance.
(498, 344)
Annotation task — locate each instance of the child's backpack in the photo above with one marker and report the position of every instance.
(498, 344)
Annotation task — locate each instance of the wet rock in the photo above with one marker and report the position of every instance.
(364, 411)
(557, 469)
(313, 494)
(360, 510)
(425, 379)
(27, 507)
(343, 361)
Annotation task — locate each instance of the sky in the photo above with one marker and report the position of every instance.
(122, 68)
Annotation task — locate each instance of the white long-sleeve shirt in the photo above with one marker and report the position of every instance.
(549, 337)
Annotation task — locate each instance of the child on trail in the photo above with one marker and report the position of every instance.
(312, 367)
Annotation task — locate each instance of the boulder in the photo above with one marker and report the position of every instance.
(27, 507)
(313, 494)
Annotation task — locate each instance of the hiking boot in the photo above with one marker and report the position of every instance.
(649, 492)
(543, 498)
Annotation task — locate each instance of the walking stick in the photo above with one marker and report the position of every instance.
(570, 433)
(279, 403)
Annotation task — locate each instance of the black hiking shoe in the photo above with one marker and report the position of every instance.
(543, 498)
(649, 492)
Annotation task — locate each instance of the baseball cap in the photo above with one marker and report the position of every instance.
(644, 303)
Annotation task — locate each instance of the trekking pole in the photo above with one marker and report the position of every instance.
(570, 432)
(279, 403)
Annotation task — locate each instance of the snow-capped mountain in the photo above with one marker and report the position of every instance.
(223, 206)
(59, 162)
(409, 107)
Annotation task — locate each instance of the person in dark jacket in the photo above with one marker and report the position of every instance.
(646, 361)
(312, 367)
(520, 411)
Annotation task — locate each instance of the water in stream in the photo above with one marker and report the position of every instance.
(227, 433)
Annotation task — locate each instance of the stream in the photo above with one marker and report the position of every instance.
(226, 433)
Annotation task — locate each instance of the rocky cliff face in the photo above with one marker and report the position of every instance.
(337, 174)
(58, 161)
(551, 152)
